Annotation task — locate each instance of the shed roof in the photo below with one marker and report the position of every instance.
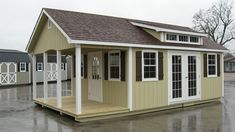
(100, 28)
(8, 55)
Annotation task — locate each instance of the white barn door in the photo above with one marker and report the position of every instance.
(51, 71)
(7, 73)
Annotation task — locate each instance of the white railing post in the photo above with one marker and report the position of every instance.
(78, 79)
(34, 78)
(59, 86)
(45, 78)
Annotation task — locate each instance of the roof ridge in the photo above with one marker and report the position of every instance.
(128, 19)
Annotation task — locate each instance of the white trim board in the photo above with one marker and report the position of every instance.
(158, 29)
(142, 46)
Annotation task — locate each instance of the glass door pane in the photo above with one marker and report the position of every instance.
(192, 75)
(176, 76)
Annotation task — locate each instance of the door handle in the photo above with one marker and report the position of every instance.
(186, 77)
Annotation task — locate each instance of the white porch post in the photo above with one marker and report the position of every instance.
(59, 86)
(45, 77)
(72, 76)
(222, 73)
(78, 80)
(34, 78)
(129, 83)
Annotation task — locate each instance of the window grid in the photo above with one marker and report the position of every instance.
(192, 76)
(22, 67)
(171, 37)
(183, 38)
(211, 63)
(114, 65)
(179, 38)
(194, 39)
(39, 66)
(150, 65)
(176, 76)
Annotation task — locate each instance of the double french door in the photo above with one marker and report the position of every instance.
(184, 76)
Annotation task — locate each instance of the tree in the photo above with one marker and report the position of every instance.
(217, 22)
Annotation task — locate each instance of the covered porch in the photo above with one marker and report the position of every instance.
(97, 87)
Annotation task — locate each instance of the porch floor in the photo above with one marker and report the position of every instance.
(89, 108)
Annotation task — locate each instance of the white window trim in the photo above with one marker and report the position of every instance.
(82, 60)
(215, 65)
(119, 77)
(183, 42)
(24, 66)
(149, 79)
(41, 66)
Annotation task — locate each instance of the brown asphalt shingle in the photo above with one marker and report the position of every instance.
(91, 27)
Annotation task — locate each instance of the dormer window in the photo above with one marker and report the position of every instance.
(171, 37)
(194, 39)
(183, 38)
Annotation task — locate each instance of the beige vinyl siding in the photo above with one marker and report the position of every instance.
(150, 94)
(211, 86)
(84, 88)
(153, 33)
(115, 92)
(50, 39)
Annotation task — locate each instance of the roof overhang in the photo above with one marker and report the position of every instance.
(158, 29)
(143, 46)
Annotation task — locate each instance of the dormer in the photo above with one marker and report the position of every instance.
(171, 33)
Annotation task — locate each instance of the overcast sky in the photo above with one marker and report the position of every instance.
(18, 17)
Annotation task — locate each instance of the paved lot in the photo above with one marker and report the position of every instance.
(229, 76)
(19, 114)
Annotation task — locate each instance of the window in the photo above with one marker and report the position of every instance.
(171, 37)
(194, 39)
(114, 65)
(39, 67)
(149, 65)
(183, 38)
(22, 67)
(62, 66)
(49, 24)
(180, 38)
(82, 66)
(211, 63)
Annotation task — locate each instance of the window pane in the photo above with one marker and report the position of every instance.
(183, 38)
(194, 39)
(149, 65)
(114, 65)
(150, 72)
(211, 70)
(114, 72)
(171, 37)
(114, 59)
